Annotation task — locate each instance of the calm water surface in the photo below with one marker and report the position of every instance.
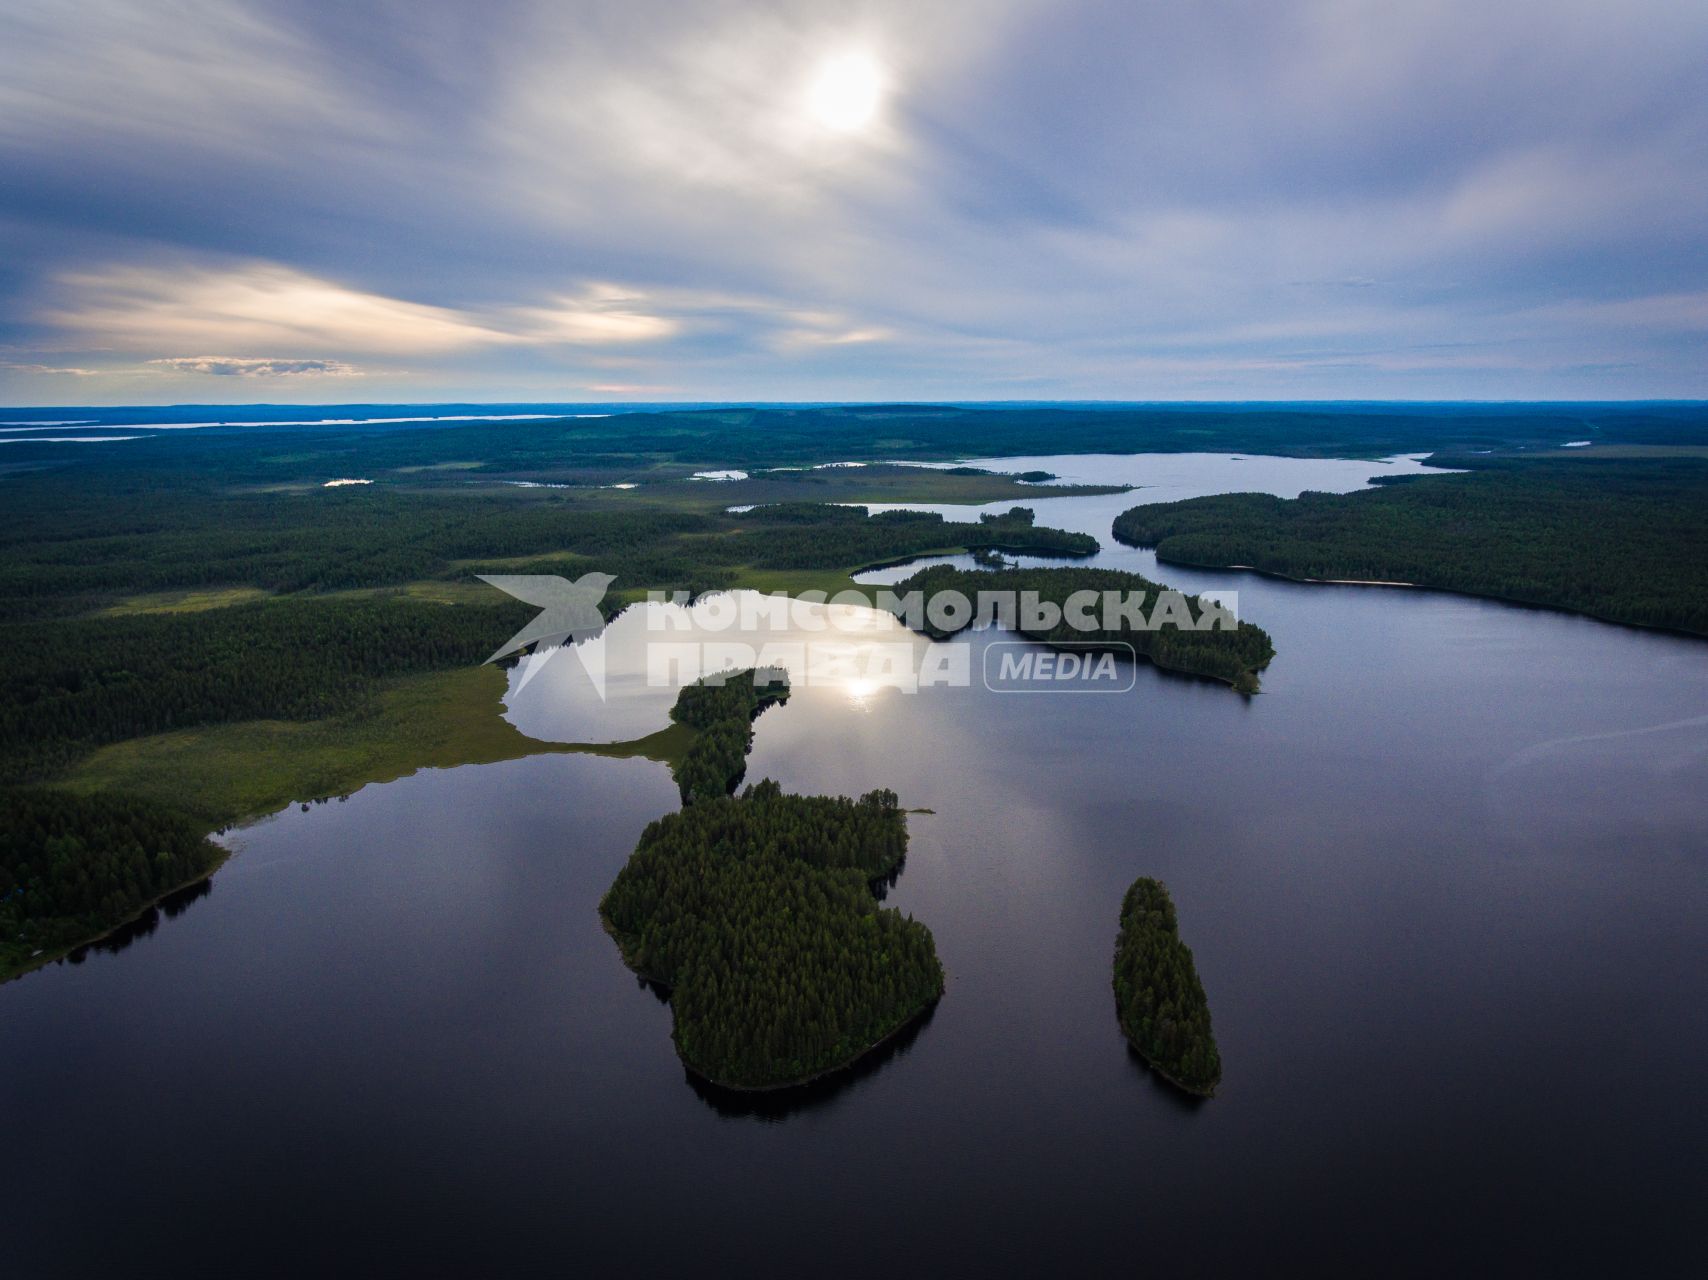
(1445, 882)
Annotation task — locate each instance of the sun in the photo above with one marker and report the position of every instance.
(846, 92)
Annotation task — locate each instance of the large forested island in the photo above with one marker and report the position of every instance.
(1621, 538)
(758, 912)
(1158, 998)
(1235, 655)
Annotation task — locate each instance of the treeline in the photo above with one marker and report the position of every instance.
(1235, 655)
(73, 867)
(777, 436)
(812, 535)
(1625, 540)
(722, 708)
(1158, 998)
(72, 547)
(758, 912)
(78, 543)
(69, 688)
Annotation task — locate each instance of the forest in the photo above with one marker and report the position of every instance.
(618, 447)
(1158, 998)
(200, 578)
(74, 867)
(721, 709)
(325, 643)
(1620, 539)
(758, 912)
(74, 550)
(1235, 656)
(65, 692)
(166, 594)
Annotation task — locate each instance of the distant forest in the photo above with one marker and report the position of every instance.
(589, 450)
(1620, 539)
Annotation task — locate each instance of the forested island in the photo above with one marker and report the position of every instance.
(1623, 539)
(758, 912)
(1158, 998)
(75, 867)
(1235, 656)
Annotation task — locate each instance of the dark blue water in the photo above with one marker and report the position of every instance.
(1445, 881)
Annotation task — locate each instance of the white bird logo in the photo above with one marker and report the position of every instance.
(569, 610)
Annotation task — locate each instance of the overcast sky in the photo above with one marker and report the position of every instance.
(298, 200)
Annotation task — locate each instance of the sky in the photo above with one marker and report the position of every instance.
(293, 201)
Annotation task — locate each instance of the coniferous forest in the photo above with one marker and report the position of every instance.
(312, 603)
(1158, 999)
(72, 867)
(1621, 539)
(758, 912)
(722, 708)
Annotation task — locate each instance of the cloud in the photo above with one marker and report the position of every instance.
(199, 72)
(1669, 311)
(257, 306)
(1101, 199)
(826, 329)
(66, 371)
(602, 314)
(258, 367)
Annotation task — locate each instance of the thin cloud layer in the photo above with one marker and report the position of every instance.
(257, 367)
(523, 200)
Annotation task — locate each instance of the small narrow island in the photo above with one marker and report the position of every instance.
(1158, 999)
(758, 912)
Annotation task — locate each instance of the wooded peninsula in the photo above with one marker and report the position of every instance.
(1235, 655)
(1622, 539)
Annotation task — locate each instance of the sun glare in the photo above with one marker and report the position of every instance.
(847, 92)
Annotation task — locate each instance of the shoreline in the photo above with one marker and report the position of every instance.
(52, 957)
(1151, 1064)
(1465, 592)
(624, 954)
(819, 1076)
(781, 1086)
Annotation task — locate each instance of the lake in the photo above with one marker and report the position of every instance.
(1444, 878)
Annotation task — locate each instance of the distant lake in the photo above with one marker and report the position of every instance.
(1445, 880)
